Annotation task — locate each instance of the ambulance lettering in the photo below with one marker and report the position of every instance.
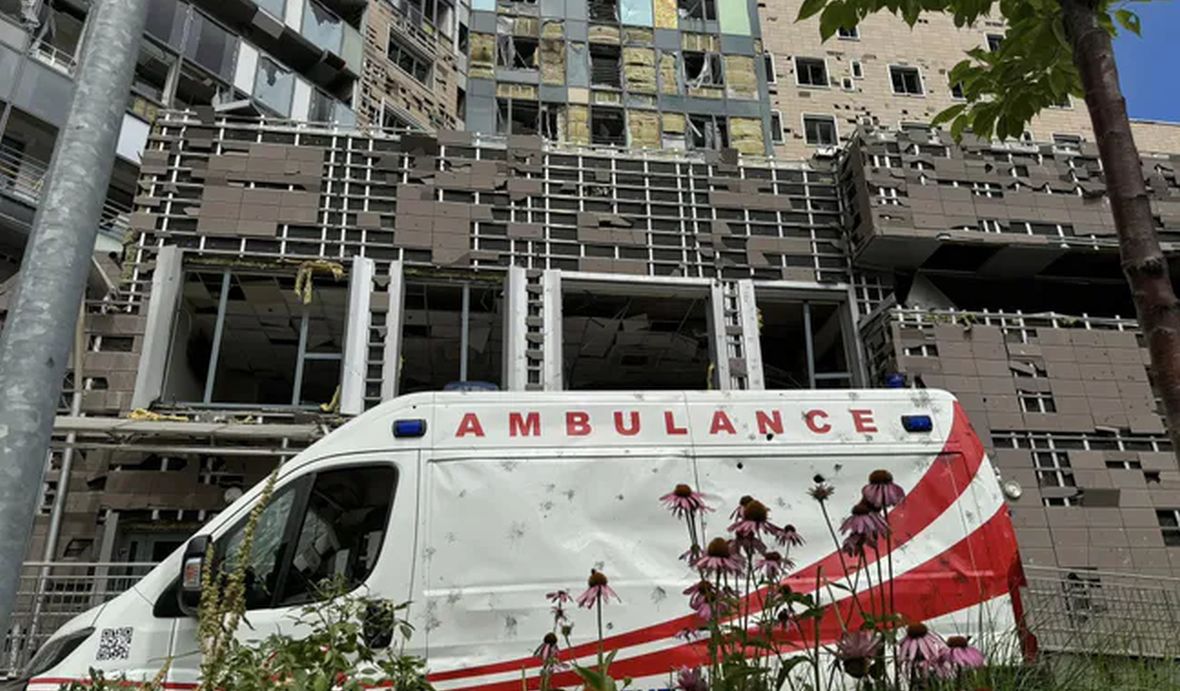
(631, 423)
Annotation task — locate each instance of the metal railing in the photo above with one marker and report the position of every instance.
(55, 58)
(52, 593)
(1110, 613)
(22, 177)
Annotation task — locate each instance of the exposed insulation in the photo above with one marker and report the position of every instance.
(644, 128)
(669, 84)
(674, 123)
(740, 78)
(577, 124)
(602, 33)
(525, 26)
(639, 69)
(666, 15)
(509, 90)
(703, 43)
(552, 53)
(609, 98)
(634, 35)
(483, 56)
(745, 135)
(707, 91)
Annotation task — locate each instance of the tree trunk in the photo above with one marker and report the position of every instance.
(1143, 262)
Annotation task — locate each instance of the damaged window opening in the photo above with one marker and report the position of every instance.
(516, 52)
(701, 10)
(409, 61)
(906, 80)
(803, 344)
(819, 130)
(604, 10)
(776, 127)
(438, 322)
(811, 72)
(615, 341)
(768, 67)
(249, 339)
(525, 117)
(605, 66)
(1053, 468)
(607, 126)
(708, 132)
(703, 69)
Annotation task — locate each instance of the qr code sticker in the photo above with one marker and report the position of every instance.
(114, 644)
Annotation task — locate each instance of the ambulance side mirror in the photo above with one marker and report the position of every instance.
(192, 567)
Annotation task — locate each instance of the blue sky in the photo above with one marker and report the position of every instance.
(1148, 64)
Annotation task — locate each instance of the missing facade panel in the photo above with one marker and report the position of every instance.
(516, 52)
(607, 126)
(703, 69)
(708, 132)
(605, 66)
(702, 10)
(604, 10)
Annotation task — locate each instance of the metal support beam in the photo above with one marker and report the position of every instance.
(391, 360)
(516, 312)
(159, 326)
(808, 345)
(218, 330)
(354, 365)
(718, 344)
(464, 331)
(551, 347)
(751, 336)
(36, 343)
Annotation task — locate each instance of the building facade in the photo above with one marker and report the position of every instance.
(573, 196)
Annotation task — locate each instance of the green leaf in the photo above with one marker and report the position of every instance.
(1129, 20)
(810, 8)
(948, 114)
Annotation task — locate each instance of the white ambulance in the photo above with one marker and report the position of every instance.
(473, 506)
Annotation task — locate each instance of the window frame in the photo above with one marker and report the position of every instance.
(777, 134)
(821, 116)
(917, 71)
(827, 73)
(302, 487)
(845, 34)
(769, 67)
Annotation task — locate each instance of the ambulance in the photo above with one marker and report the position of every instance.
(472, 506)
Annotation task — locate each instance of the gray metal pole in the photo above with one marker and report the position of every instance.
(40, 324)
(465, 332)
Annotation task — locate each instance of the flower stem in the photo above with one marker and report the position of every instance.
(598, 607)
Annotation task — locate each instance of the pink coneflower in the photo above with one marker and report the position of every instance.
(701, 591)
(683, 501)
(547, 651)
(961, 655)
(787, 535)
(854, 545)
(691, 680)
(598, 590)
(754, 519)
(558, 613)
(865, 522)
(882, 491)
(736, 514)
(920, 649)
(559, 597)
(719, 557)
(857, 651)
(772, 565)
(821, 490)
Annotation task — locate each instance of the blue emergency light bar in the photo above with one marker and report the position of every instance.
(917, 423)
(409, 428)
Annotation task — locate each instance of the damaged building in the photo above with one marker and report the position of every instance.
(320, 205)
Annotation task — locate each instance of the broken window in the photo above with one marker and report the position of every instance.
(857, 69)
(803, 343)
(607, 126)
(957, 90)
(408, 60)
(249, 339)
(518, 116)
(1067, 143)
(994, 41)
(819, 130)
(449, 338)
(702, 10)
(768, 67)
(708, 132)
(848, 33)
(604, 10)
(628, 336)
(605, 66)
(1053, 468)
(516, 52)
(811, 71)
(906, 80)
(703, 69)
(776, 127)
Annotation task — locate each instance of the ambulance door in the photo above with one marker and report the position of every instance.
(342, 519)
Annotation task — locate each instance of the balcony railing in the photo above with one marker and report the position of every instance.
(50, 594)
(22, 178)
